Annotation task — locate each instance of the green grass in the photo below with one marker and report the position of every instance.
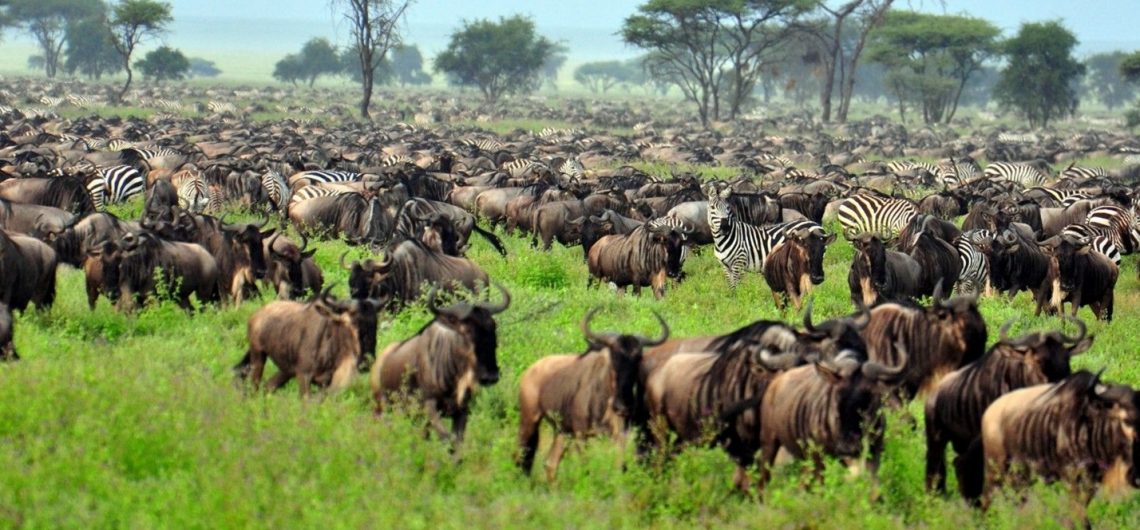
(115, 420)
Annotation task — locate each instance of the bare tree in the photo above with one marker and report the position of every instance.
(373, 28)
(842, 45)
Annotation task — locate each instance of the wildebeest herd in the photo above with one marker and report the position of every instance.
(413, 197)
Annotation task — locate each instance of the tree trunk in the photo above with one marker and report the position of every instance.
(366, 98)
(127, 85)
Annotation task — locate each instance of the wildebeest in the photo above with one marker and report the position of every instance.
(317, 342)
(796, 264)
(161, 202)
(830, 407)
(878, 274)
(592, 228)
(443, 363)
(7, 346)
(417, 211)
(27, 272)
(939, 339)
(1079, 430)
(290, 269)
(1078, 275)
(32, 219)
(73, 241)
(954, 410)
(360, 220)
(645, 257)
(1016, 262)
(712, 393)
(66, 193)
(937, 260)
(406, 267)
(553, 221)
(187, 269)
(581, 395)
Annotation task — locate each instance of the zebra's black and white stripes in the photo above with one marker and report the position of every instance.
(882, 217)
(116, 184)
(741, 246)
(1025, 174)
(277, 189)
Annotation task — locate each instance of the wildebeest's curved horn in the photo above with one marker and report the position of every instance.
(304, 242)
(271, 241)
(585, 326)
(502, 305)
(888, 374)
(593, 219)
(776, 363)
(1003, 333)
(1080, 325)
(264, 221)
(664, 333)
(324, 296)
(937, 295)
(435, 309)
(346, 267)
(807, 316)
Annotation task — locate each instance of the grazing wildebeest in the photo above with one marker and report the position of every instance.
(187, 269)
(939, 339)
(290, 269)
(415, 212)
(553, 221)
(73, 241)
(954, 410)
(7, 347)
(878, 274)
(1078, 275)
(360, 220)
(796, 265)
(642, 258)
(27, 272)
(830, 407)
(1017, 263)
(443, 363)
(406, 267)
(33, 219)
(317, 342)
(1080, 430)
(581, 395)
(161, 202)
(709, 391)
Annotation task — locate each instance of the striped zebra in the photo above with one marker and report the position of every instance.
(396, 160)
(1116, 223)
(146, 153)
(1098, 241)
(278, 190)
(1082, 172)
(1018, 139)
(1022, 173)
(572, 168)
(52, 101)
(115, 184)
(974, 277)
(883, 217)
(117, 144)
(324, 176)
(958, 171)
(169, 105)
(945, 175)
(741, 246)
(312, 192)
(193, 193)
(517, 168)
(80, 101)
(221, 107)
(1059, 197)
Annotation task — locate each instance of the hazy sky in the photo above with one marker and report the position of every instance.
(588, 26)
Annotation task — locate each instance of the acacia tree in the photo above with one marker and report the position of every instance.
(601, 76)
(373, 27)
(1041, 77)
(132, 22)
(1105, 80)
(754, 28)
(407, 66)
(930, 58)
(498, 58)
(164, 63)
(90, 49)
(1130, 67)
(47, 20)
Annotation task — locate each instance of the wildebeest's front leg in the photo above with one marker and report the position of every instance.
(435, 420)
(555, 456)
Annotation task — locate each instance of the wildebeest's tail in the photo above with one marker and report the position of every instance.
(528, 446)
(241, 369)
(492, 239)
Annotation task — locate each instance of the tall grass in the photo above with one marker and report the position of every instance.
(115, 420)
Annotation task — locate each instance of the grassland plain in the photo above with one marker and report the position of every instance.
(134, 421)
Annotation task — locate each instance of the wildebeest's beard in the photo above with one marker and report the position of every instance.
(625, 367)
(486, 343)
(673, 252)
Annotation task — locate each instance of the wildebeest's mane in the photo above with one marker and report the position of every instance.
(64, 192)
(726, 344)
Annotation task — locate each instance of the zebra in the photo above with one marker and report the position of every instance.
(1019, 139)
(146, 153)
(572, 167)
(115, 184)
(1099, 241)
(52, 101)
(79, 101)
(974, 277)
(117, 144)
(517, 168)
(1061, 197)
(741, 246)
(193, 193)
(1082, 172)
(168, 105)
(324, 176)
(278, 190)
(1116, 223)
(883, 217)
(312, 192)
(221, 107)
(1025, 174)
(396, 160)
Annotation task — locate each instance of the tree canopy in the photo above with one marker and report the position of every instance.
(930, 58)
(603, 75)
(90, 49)
(1130, 67)
(46, 22)
(131, 23)
(498, 58)
(200, 67)
(407, 66)
(1041, 76)
(1105, 81)
(163, 64)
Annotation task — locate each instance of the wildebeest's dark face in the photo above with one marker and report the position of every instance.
(625, 358)
(592, 229)
(674, 244)
(483, 330)
(1069, 254)
(874, 255)
(857, 400)
(816, 243)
